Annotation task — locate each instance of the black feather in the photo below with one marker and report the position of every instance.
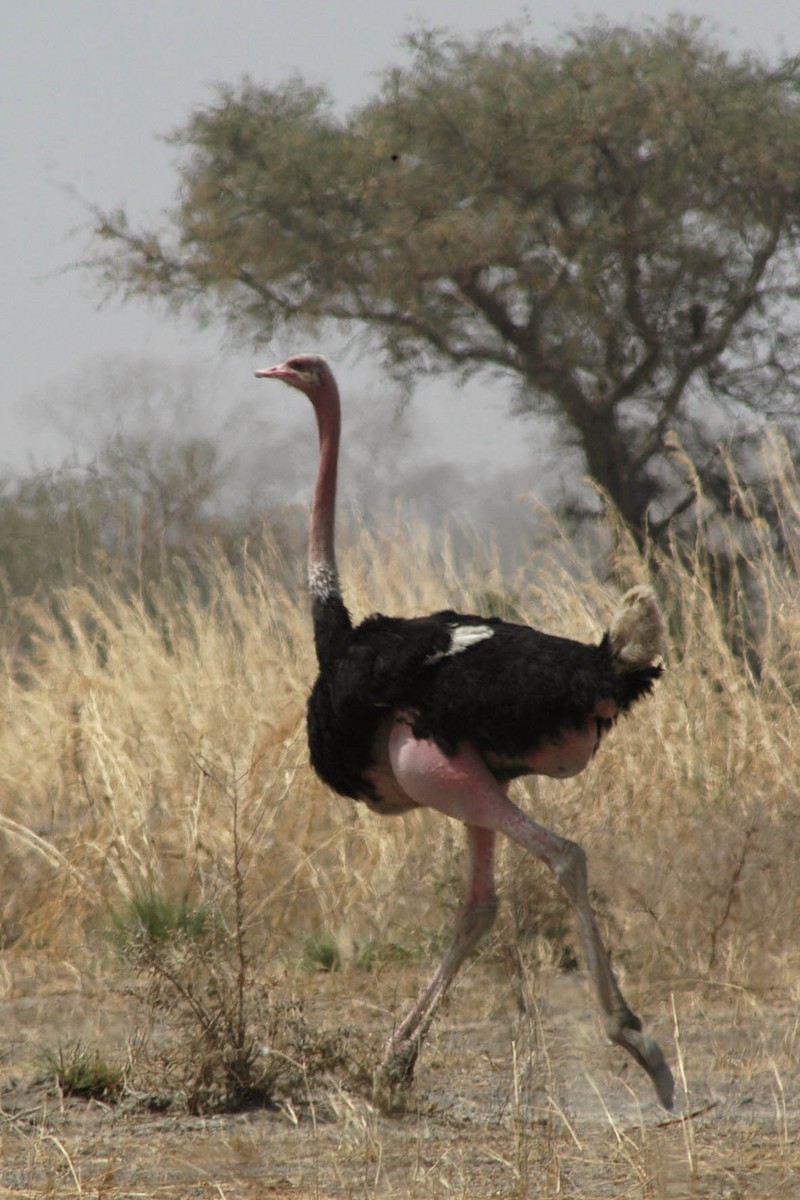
(506, 695)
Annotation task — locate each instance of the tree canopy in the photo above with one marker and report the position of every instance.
(612, 223)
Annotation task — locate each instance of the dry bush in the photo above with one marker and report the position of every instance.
(121, 709)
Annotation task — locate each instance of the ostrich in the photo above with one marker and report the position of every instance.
(443, 711)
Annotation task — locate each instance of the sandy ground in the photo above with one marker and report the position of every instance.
(517, 1095)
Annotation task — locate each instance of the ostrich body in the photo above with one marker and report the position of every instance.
(443, 711)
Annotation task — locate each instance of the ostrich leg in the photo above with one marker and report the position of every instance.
(474, 921)
(621, 1024)
(462, 786)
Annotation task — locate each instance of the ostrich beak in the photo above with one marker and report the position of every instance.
(285, 373)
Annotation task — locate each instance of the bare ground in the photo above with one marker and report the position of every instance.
(517, 1095)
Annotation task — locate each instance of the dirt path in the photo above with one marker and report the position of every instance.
(516, 1096)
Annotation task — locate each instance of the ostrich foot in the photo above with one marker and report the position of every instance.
(394, 1075)
(396, 1069)
(649, 1056)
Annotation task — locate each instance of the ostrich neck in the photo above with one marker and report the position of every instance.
(323, 577)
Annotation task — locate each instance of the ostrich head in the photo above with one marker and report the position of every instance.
(306, 372)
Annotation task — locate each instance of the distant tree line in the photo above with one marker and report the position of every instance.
(130, 516)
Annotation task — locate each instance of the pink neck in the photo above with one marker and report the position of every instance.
(323, 577)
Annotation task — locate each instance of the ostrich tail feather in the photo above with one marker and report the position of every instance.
(637, 633)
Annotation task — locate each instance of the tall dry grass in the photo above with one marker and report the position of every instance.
(134, 727)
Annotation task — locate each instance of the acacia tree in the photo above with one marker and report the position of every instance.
(612, 224)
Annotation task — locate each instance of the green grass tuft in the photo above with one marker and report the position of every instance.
(79, 1070)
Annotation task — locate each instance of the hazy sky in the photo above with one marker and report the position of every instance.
(88, 86)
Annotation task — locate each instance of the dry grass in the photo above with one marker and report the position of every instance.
(135, 729)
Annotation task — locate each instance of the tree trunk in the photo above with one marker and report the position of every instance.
(611, 466)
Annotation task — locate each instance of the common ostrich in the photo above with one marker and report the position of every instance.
(443, 711)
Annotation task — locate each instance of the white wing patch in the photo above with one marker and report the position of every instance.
(461, 638)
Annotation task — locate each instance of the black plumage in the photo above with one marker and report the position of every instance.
(507, 694)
